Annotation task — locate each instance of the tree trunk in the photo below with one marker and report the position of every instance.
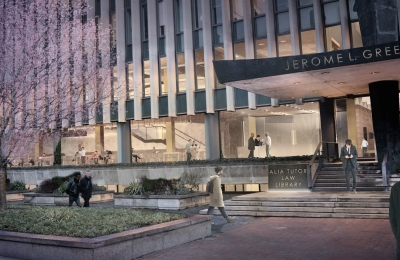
(3, 193)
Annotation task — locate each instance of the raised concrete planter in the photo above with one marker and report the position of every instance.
(172, 202)
(15, 195)
(53, 199)
(125, 245)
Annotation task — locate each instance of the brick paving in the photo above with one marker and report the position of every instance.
(292, 238)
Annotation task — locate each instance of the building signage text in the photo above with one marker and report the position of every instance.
(287, 177)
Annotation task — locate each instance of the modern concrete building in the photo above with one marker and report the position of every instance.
(215, 71)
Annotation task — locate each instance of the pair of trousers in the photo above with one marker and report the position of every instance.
(73, 199)
(189, 156)
(251, 154)
(267, 148)
(364, 149)
(350, 170)
(86, 203)
(210, 211)
(83, 159)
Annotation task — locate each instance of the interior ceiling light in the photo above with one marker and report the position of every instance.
(283, 41)
(358, 93)
(326, 72)
(247, 83)
(375, 72)
(341, 83)
(314, 91)
(296, 83)
(291, 97)
(261, 44)
(272, 91)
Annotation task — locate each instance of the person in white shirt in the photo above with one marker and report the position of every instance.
(83, 155)
(364, 146)
(267, 144)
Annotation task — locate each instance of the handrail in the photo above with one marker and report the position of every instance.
(385, 172)
(311, 180)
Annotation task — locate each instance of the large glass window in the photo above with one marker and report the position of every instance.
(217, 22)
(356, 39)
(163, 76)
(128, 31)
(181, 72)
(146, 78)
(261, 49)
(114, 93)
(238, 29)
(130, 82)
(144, 30)
(198, 43)
(161, 29)
(237, 10)
(260, 29)
(179, 26)
(333, 30)
(283, 28)
(200, 73)
(307, 27)
(219, 55)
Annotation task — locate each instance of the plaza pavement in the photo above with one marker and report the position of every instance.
(284, 238)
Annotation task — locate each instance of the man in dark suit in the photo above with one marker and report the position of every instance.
(349, 155)
(251, 146)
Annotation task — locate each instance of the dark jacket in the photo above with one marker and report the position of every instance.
(353, 161)
(85, 186)
(251, 144)
(72, 188)
(394, 210)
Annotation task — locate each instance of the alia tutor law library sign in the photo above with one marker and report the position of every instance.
(287, 177)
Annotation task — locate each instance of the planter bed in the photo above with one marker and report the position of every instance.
(15, 195)
(125, 245)
(54, 199)
(172, 202)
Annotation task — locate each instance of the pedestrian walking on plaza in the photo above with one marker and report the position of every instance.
(364, 146)
(216, 197)
(394, 215)
(83, 155)
(188, 152)
(267, 144)
(251, 146)
(85, 186)
(349, 155)
(73, 189)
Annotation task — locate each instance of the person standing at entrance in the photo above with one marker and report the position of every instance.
(349, 155)
(216, 197)
(251, 146)
(85, 186)
(364, 146)
(188, 152)
(267, 144)
(394, 215)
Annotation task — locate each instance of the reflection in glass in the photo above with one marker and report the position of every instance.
(284, 45)
(333, 38)
(114, 90)
(282, 20)
(181, 72)
(332, 13)
(163, 76)
(281, 5)
(308, 42)
(198, 39)
(146, 78)
(180, 43)
(144, 23)
(217, 11)
(307, 21)
(260, 30)
(305, 2)
(356, 35)
(178, 16)
(218, 55)
(352, 12)
(238, 28)
(237, 10)
(198, 16)
(200, 72)
(130, 83)
(261, 49)
(240, 51)
(218, 36)
(258, 7)
(114, 28)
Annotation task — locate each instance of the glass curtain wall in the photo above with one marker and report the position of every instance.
(307, 26)
(113, 18)
(238, 29)
(197, 14)
(161, 49)
(144, 29)
(129, 54)
(356, 40)
(218, 38)
(180, 50)
(283, 41)
(260, 30)
(333, 30)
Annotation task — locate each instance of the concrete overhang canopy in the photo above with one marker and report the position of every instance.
(331, 74)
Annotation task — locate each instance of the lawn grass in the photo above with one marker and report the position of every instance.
(78, 222)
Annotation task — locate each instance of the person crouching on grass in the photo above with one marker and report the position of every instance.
(216, 198)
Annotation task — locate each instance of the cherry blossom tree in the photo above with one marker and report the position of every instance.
(55, 69)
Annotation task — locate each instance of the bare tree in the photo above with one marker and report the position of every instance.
(55, 71)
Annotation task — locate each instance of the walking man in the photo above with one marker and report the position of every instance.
(73, 189)
(188, 152)
(216, 197)
(349, 155)
(267, 144)
(394, 215)
(364, 146)
(251, 146)
(85, 186)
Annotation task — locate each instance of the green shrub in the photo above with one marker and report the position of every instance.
(57, 154)
(96, 187)
(47, 186)
(190, 179)
(18, 186)
(67, 221)
(62, 189)
(8, 185)
(58, 181)
(134, 188)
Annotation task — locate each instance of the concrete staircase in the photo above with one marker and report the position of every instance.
(344, 206)
(332, 178)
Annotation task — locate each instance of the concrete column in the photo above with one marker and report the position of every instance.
(319, 26)
(212, 131)
(249, 44)
(105, 46)
(252, 126)
(228, 49)
(270, 18)
(385, 117)
(170, 51)
(124, 142)
(121, 54)
(294, 27)
(99, 138)
(328, 126)
(351, 122)
(344, 22)
(153, 57)
(189, 56)
(137, 58)
(170, 135)
(78, 62)
(208, 55)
